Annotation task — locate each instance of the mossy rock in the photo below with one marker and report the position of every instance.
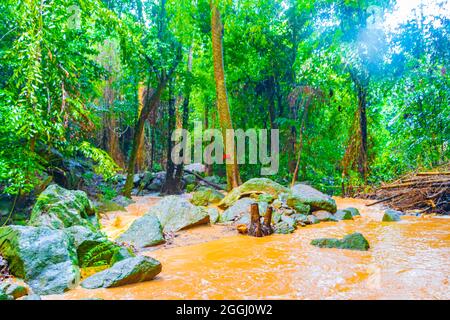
(206, 196)
(254, 186)
(239, 211)
(354, 212)
(323, 215)
(176, 213)
(314, 198)
(283, 227)
(10, 288)
(45, 258)
(354, 241)
(132, 270)
(59, 208)
(297, 204)
(343, 215)
(145, 231)
(391, 215)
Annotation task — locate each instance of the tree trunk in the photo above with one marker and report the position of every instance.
(233, 178)
(362, 157)
(255, 229)
(152, 100)
(300, 145)
(140, 157)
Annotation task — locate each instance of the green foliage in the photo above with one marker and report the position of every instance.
(105, 165)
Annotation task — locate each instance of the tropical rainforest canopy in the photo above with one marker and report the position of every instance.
(359, 89)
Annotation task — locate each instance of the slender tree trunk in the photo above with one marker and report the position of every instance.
(362, 157)
(140, 157)
(233, 178)
(151, 102)
(300, 145)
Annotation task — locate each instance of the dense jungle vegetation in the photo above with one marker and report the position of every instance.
(359, 89)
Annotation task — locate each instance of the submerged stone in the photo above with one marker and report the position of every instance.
(132, 270)
(354, 212)
(391, 215)
(343, 215)
(354, 241)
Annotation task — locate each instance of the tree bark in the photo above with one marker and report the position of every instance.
(255, 229)
(300, 146)
(233, 178)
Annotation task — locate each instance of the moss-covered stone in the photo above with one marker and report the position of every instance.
(297, 204)
(12, 288)
(253, 187)
(59, 208)
(323, 215)
(145, 231)
(354, 241)
(314, 198)
(237, 211)
(206, 196)
(391, 215)
(45, 258)
(343, 215)
(354, 212)
(103, 253)
(176, 213)
(213, 215)
(125, 272)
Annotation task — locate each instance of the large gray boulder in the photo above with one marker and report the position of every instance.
(176, 213)
(239, 211)
(132, 270)
(314, 198)
(251, 187)
(59, 208)
(145, 231)
(45, 258)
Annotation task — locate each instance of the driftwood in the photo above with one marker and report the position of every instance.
(420, 192)
(199, 177)
(267, 224)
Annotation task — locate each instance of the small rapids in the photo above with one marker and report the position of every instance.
(409, 259)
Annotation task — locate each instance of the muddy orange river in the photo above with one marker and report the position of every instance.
(409, 259)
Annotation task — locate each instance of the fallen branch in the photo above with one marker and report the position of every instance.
(416, 184)
(199, 177)
(445, 173)
(383, 200)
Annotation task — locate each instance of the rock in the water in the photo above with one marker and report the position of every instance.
(323, 215)
(314, 198)
(354, 241)
(31, 297)
(59, 208)
(132, 270)
(343, 215)
(354, 212)
(205, 196)
(176, 213)
(253, 187)
(213, 214)
(11, 288)
(391, 215)
(240, 209)
(312, 219)
(145, 231)
(297, 204)
(45, 258)
(283, 227)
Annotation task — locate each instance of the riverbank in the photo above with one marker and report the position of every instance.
(408, 259)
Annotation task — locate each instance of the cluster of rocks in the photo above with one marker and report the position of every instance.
(299, 205)
(61, 237)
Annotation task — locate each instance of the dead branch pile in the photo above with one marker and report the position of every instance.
(427, 192)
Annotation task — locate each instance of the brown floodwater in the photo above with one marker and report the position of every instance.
(409, 259)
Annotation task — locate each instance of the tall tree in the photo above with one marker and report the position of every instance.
(233, 177)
